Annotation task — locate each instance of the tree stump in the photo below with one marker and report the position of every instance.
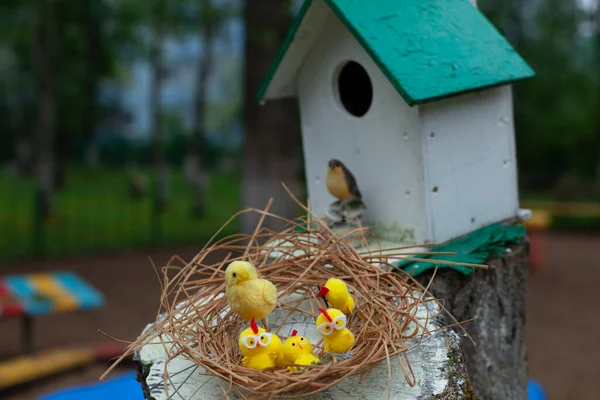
(437, 363)
(497, 363)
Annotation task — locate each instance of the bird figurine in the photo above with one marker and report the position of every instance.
(298, 350)
(259, 348)
(331, 325)
(342, 185)
(247, 294)
(336, 293)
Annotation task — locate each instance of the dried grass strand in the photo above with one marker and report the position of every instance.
(195, 322)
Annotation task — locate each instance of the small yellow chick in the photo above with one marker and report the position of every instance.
(259, 348)
(277, 346)
(336, 293)
(248, 295)
(298, 350)
(331, 325)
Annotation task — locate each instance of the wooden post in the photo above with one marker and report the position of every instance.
(497, 362)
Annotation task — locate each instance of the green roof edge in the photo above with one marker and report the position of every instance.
(463, 92)
(283, 49)
(407, 98)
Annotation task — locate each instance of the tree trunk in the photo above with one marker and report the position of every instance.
(17, 114)
(597, 26)
(513, 23)
(196, 164)
(497, 364)
(156, 64)
(92, 79)
(273, 130)
(42, 51)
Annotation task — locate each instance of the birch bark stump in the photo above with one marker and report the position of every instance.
(437, 363)
(497, 364)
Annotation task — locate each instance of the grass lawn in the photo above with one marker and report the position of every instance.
(96, 213)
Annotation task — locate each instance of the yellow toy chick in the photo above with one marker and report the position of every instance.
(298, 350)
(331, 325)
(341, 184)
(248, 295)
(259, 348)
(336, 293)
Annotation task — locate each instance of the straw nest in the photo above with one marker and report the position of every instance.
(196, 322)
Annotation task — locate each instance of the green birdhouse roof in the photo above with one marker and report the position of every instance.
(428, 49)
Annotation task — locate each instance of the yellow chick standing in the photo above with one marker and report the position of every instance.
(337, 295)
(259, 348)
(298, 350)
(331, 325)
(247, 294)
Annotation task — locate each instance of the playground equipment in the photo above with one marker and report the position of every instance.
(537, 230)
(33, 295)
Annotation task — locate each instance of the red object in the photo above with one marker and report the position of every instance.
(326, 314)
(254, 326)
(537, 248)
(294, 332)
(323, 291)
(9, 306)
(106, 351)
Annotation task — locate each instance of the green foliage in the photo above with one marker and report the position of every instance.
(94, 40)
(95, 212)
(558, 129)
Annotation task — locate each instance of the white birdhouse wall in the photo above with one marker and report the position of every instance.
(382, 148)
(470, 162)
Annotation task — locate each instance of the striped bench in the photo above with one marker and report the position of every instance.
(32, 295)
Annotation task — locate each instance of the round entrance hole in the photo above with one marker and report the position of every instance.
(354, 88)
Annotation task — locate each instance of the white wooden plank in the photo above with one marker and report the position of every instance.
(374, 246)
(382, 148)
(283, 83)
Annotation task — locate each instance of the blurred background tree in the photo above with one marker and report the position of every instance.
(556, 116)
(272, 140)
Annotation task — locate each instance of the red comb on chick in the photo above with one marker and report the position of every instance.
(326, 314)
(254, 326)
(324, 290)
(294, 332)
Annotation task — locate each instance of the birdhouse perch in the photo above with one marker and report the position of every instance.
(414, 98)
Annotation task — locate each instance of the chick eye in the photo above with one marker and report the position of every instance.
(327, 328)
(301, 338)
(234, 274)
(251, 342)
(294, 344)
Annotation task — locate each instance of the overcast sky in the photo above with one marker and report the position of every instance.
(588, 4)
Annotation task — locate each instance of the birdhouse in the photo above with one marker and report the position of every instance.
(414, 97)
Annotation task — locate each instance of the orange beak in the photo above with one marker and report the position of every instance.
(257, 344)
(299, 345)
(323, 291)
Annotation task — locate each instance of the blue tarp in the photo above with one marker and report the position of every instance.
(123, 387)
